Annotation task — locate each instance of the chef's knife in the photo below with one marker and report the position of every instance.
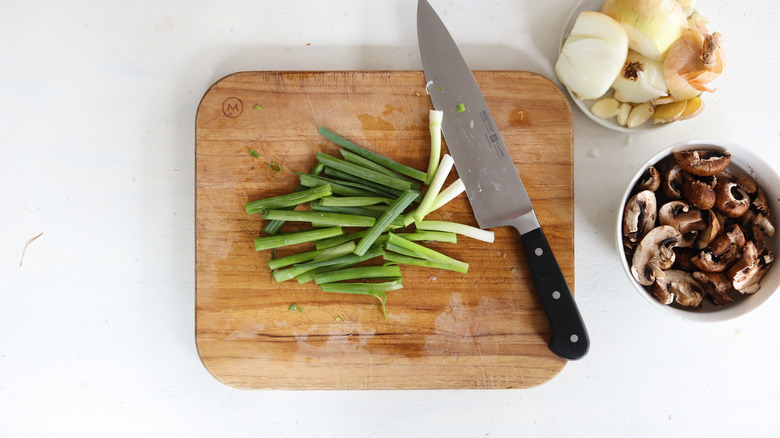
(493, 185)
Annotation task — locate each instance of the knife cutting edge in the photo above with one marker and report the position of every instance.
(493, 185)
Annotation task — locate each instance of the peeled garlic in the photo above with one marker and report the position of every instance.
(605, 108)
(625, 110)
(651, 25)
(639, 115)
(640, 80)
(592, 55)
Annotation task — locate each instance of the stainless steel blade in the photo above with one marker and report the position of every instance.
(493, 185)
(494, 188)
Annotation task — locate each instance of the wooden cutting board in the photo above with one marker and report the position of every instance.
(483, 329)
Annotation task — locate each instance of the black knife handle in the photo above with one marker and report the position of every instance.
(569, 338)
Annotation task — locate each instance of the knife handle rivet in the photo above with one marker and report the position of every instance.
(556, 294)
(574, 338)
(538, 252)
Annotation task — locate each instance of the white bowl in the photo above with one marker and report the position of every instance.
(743, 161)
(585, 104)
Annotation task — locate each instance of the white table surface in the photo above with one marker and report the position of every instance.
(97, 113)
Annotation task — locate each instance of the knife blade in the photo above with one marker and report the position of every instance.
(493, 185)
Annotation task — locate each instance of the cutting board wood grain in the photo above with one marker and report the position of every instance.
(482, 329)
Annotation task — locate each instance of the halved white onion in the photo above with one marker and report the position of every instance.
(597, 25)
(640, 80)
(589, 66)
(592, 56)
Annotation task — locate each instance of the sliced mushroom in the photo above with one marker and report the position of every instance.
(732, 241)
(654, 253)
(754, 191)
(702, 163)
(726, 176)
(681, 285)
(723, 252)
(747, 272)
(762, 221)
(639, 217)
(651, 180)
(731, 199)
(683, 258)
(762, 228)
(661, 293)
(684, 218)
(747, 183)
(764, 260)
(711, 230)
(699, 192)
(716, 286)
(708, 262)
(673, 181)
(747, 220)
(759, 202)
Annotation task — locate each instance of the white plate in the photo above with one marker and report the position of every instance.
(585, 104)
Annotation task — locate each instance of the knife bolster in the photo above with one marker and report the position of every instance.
(524, 223)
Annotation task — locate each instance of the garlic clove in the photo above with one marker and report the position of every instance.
(658, 23)
(625, 110)
(588, 66)
(668, 112)
(639, 115)
(605, 108)
(640, 80)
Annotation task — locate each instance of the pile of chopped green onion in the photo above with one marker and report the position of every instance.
(359, 206)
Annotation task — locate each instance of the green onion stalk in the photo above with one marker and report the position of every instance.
(434, 126)
(379, 159)
(434, 188)
(462, 229)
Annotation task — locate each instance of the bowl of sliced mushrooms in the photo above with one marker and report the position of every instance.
(637, 65)
(696, 230)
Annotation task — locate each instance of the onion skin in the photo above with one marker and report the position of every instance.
(688, 6)
(694, 60)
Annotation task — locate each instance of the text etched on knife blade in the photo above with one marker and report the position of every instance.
(488, 123)
(494, 140)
